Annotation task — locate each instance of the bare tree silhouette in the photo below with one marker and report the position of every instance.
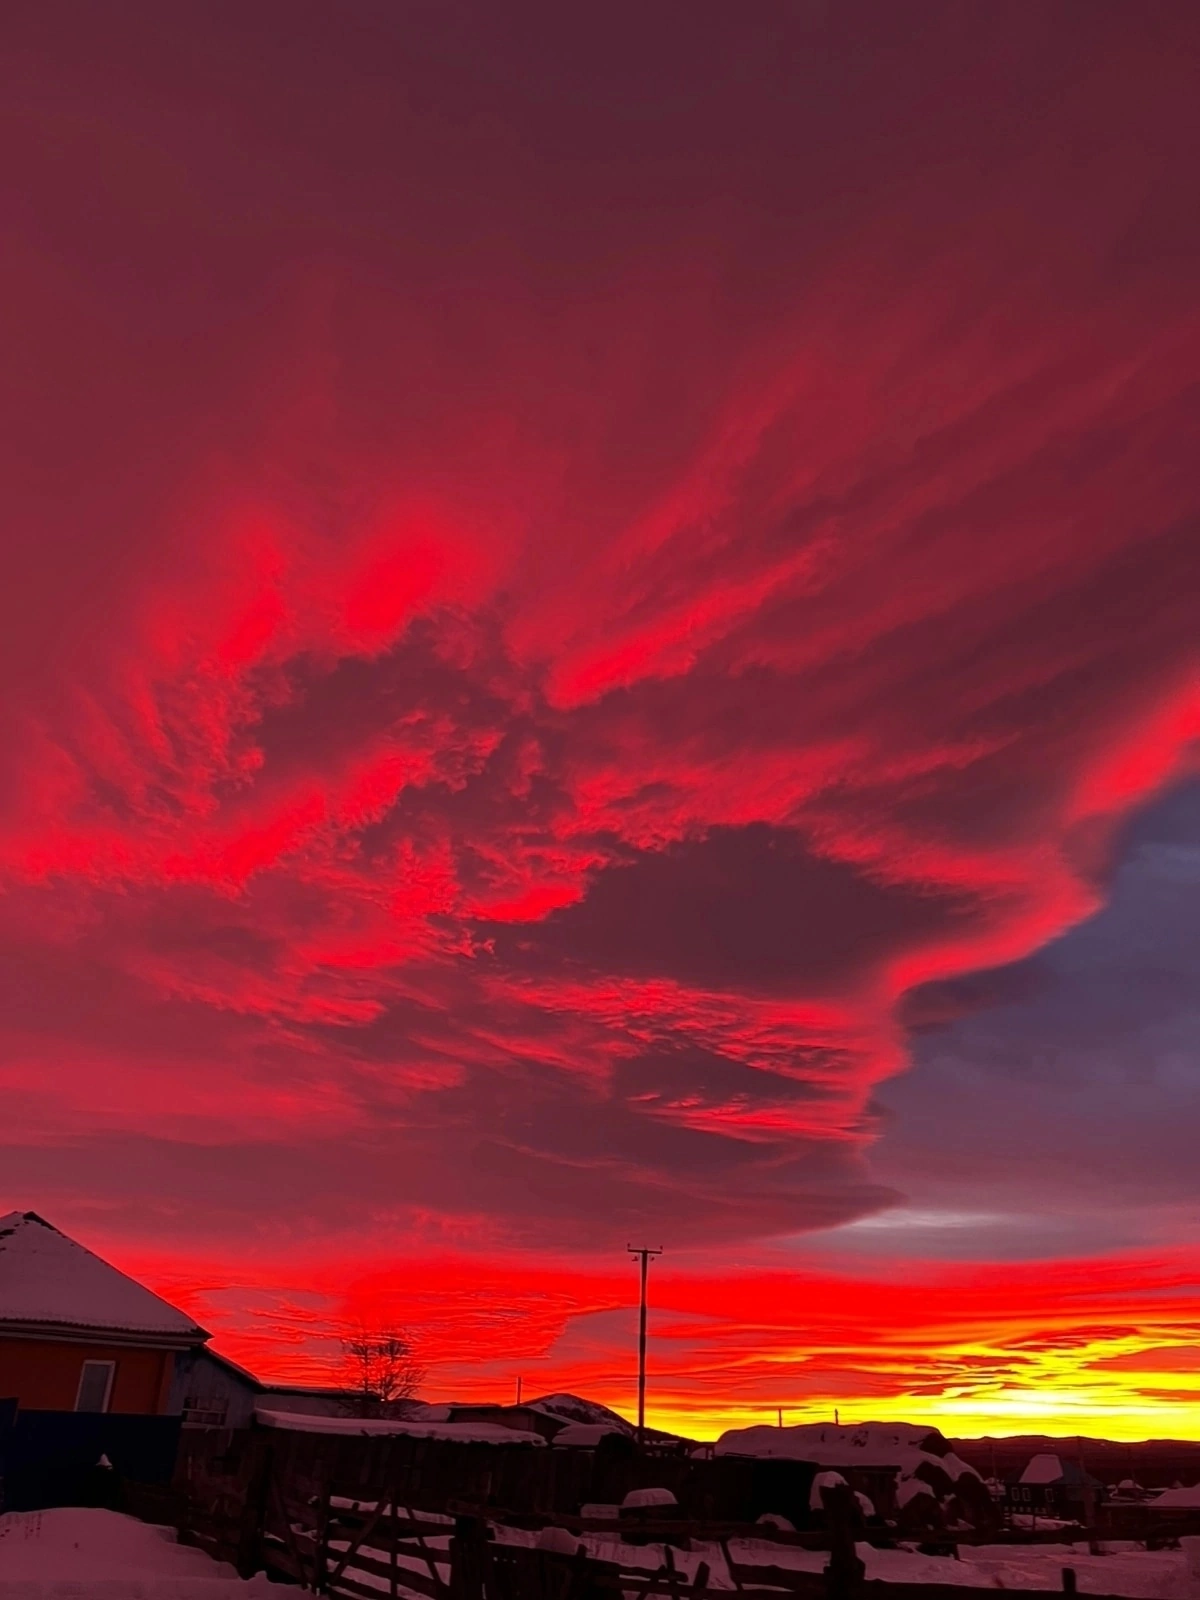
(381, 1370)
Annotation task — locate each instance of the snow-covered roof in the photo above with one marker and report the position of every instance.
(1043, 1468)
(903, 1445)
(909, 1488)
(1178, 1497)
(49, 1281)
(459, 1432)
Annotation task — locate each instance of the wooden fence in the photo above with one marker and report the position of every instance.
(360, 1518)
(361, 1552)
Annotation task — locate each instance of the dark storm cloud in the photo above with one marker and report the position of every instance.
(557, 566)
(1063, 1099)
(747, 908)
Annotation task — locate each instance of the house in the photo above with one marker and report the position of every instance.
(78, 1335)
(209, 1390)
(1052, 1485)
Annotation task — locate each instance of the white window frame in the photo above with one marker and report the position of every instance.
(108, 1387)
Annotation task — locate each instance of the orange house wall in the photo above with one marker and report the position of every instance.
(43, 1374)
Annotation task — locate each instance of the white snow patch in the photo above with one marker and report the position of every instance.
(823, 1480)
(558, 1540)
(636, 1499)
(77, 1553)
(909, 1488)
(772, 1519)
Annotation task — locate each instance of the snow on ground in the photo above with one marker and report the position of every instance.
(1126, 1569)
(80, 1554)
(75, 1553)
(1140, 1575)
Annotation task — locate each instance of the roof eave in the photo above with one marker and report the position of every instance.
(81, 1333)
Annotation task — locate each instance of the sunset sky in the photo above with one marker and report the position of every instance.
(599, 626)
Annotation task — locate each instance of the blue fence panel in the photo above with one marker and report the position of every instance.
(52, 1458)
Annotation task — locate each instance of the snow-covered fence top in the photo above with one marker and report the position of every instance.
(366, 1427)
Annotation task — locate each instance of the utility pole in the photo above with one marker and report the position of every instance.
(644, 1255)
(518, 1391)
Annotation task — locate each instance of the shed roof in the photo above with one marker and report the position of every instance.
(48, 1281)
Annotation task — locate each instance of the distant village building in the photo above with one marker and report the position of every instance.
(209, 1390)
(1055, 1487)
(523, 1419)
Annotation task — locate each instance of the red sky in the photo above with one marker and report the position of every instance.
(599, 644)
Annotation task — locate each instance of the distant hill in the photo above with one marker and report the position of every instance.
(1154, 1463)
(573, 1408)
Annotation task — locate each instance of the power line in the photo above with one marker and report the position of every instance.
(644, 1254)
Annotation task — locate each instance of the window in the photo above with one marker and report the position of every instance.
(95, 1385)
(205, 1411)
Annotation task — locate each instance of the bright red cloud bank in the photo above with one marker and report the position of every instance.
(549, 587)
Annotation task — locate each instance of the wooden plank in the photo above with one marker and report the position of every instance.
(379, 1564)
(730, 1565)
(363, 1534)
(287, 1516)
(442, 1588)
(347, 1585)
(817, 1539)
(790, 1578)
(348, 1523)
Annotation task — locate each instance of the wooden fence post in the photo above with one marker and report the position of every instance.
(321, 1554)
(467, 1556)
(394, 1546)
(254, 1510)
(845, 1571)
(1068, 1580)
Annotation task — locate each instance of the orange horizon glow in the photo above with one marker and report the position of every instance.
(1107, 1349)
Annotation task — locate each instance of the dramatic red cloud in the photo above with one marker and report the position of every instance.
(556, 574)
